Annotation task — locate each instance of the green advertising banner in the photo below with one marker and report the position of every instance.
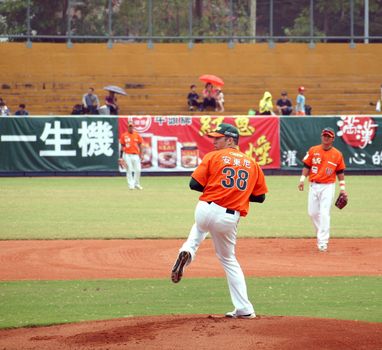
(58, 144)
(90, 144)
(359, 138)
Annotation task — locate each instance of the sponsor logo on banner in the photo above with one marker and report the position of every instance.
(356, 131)
(141, 124)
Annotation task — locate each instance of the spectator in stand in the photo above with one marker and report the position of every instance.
(192, 99)
(90, 102)
(209, 96)
(266, 104)
(4, 110)
(111, 103)
(219, 101)
(300, 101)
(22, 111)
(78, 109)
(284, 104)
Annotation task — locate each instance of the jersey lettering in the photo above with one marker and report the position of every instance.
(127, 142)
(324, 164)
(240, 179)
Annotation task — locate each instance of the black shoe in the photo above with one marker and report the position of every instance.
(177, 270)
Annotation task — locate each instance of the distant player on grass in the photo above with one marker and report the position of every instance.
(323, 163)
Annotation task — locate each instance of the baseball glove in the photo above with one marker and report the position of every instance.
(341, 201)
(122, 163)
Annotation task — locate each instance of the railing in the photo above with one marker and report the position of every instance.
(190, 40)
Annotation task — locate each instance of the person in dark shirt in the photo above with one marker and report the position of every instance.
(209, 96)
(192, 99)
(22, 111)
(284, 104)
(111, 103)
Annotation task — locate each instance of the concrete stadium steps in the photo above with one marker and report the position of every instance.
(338, 80)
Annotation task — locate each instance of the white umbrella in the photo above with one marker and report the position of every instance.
(115, 89)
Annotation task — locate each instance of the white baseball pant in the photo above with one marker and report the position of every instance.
(222, 226)
(133, 171)
(320, 200)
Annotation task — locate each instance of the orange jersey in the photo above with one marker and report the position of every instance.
(229, 177)
(324, 164)
(130, 142)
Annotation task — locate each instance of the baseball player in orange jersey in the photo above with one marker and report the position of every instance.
(229, 180)
(130, 156)
(323, 163)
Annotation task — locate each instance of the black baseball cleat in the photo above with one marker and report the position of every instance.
(180, 263)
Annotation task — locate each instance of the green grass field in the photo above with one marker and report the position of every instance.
(50, 302)
(103, 208)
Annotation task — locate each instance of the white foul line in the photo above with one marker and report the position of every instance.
(18, 138)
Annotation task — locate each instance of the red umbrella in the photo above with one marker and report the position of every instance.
(213, 79)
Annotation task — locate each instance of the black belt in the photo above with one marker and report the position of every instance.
(228, 211)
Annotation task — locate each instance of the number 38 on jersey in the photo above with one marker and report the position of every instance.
(235, 178)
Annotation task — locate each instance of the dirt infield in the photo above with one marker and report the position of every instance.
(86, 259)
(97, 259)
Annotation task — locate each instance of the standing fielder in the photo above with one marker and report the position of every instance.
(130, 157)
(323, 163)
(229, 180)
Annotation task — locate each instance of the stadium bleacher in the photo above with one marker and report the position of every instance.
(54, 77)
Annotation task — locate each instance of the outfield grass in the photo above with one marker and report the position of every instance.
(84, 208)
(50, 302)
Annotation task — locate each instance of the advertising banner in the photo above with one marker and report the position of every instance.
(178, 143)
(359, 138)
(50, 144)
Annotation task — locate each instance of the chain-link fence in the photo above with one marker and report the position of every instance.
(191, 21)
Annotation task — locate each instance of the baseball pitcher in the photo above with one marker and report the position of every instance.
(228, 180)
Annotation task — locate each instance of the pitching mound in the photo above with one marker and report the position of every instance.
(199, 332)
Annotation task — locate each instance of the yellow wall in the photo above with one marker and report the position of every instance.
(55, 71)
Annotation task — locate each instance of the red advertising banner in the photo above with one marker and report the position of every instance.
(178, 143)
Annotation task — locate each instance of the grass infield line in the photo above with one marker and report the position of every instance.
(37, 303)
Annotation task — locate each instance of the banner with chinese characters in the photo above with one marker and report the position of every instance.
(178, 143)
(359, 138)
(50, 144)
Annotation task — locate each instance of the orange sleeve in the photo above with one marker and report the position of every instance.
(342, 165)
(122, 140)
(140, 140)
(260, 187)
(201, 173)
(308, 158)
